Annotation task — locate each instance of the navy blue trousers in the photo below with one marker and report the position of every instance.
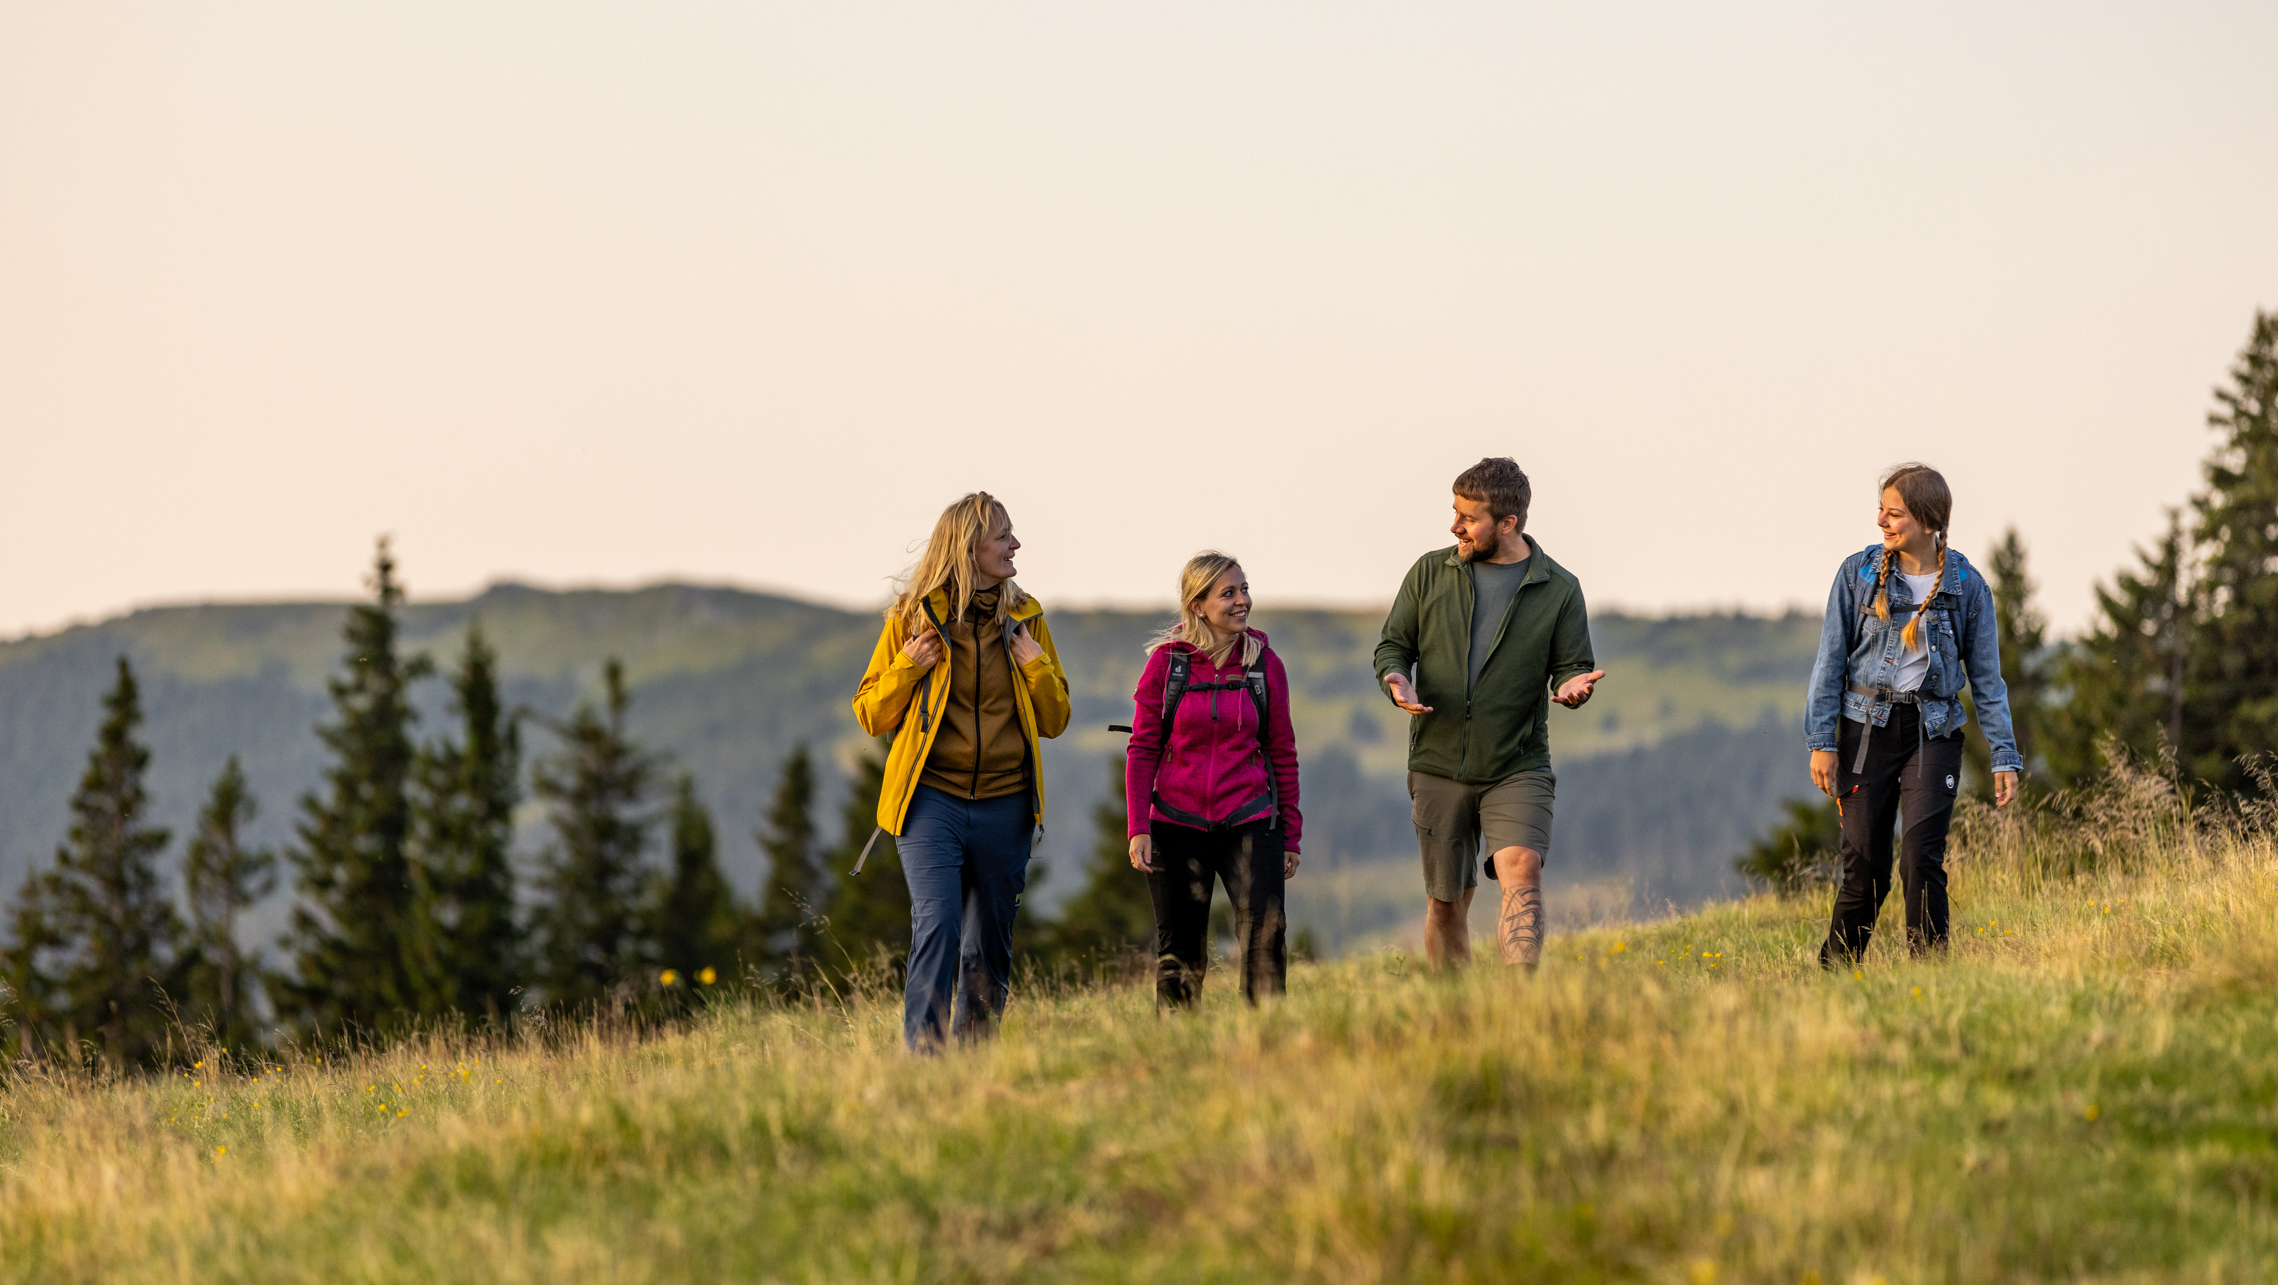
(967, 862)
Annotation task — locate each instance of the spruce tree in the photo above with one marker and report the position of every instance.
(2234, 663)
(2023, 634)
(471, 945)
(2128, 676)
(867, 915)
(97, 950)
(1111, 917)
(587, 927)
(696, 931)
(355, 940)
(797, 882)
(224, 878)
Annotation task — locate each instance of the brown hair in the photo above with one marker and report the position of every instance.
(951, 561)
(1202, 571)
(1499, 483)
(1929, 501)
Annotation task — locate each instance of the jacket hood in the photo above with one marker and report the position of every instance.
(1029, 608)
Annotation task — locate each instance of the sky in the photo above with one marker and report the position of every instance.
(578, 293)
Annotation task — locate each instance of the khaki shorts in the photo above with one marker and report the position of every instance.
(1452, 817)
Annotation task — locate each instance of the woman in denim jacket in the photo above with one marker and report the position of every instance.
(1909, 621)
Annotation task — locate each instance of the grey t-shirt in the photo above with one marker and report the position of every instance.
(1493, 586)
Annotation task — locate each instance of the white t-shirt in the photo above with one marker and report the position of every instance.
(1914, 662)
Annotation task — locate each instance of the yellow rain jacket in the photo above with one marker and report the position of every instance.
(896, 694)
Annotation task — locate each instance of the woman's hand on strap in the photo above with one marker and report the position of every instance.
(1024, 648)
(1143, 852)
(924, 650)
(1823, 772)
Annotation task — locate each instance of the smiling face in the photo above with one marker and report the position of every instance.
(1227, 605)
(992, 557)
(1899, 527)
(1479, 536)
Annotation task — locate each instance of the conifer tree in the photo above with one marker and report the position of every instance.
(2234, 665)
(2023, 634)
(868, 914)
(696, 931)
(97, 953)
(587, 926)
(1111, 916)
(224, 877)
(2128, 676)
(797, 882)
(471, 959)
(355, 939)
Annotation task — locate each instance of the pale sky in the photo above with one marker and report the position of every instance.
(581, 293)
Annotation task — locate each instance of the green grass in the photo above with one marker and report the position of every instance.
(2086, 1088)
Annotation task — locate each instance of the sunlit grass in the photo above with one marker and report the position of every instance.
(2085, 1088)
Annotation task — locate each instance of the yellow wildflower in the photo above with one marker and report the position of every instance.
(707, 976)
(669, 976)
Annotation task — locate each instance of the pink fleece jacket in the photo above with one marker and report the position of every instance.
(1211, 766)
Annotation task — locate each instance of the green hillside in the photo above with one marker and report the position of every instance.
(1684, 754)
(2083, 1091)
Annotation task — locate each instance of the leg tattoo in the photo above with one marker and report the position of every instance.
(1522, 925)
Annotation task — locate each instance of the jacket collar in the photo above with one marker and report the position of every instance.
(1951, 571)
(1029, 608)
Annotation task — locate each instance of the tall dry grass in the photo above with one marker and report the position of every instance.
(2084, 1088)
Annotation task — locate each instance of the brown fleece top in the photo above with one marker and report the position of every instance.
(979, 753)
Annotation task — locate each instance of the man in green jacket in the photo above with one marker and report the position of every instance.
(1478, 639)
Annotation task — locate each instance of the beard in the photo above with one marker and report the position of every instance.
(1484, 549)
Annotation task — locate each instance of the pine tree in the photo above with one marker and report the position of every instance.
(2023, 634)
(695, 930)
(471, 946)
(2128, 676)
(868, 914)
(224, 878)
(1112, 917)
(2234, 663)
(797, 881)
(587, 927)
(354, 940)
(1803, 850)
(97, 950)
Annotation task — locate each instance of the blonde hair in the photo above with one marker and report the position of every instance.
(1929, 501)
(1201, 572)
(951, 562)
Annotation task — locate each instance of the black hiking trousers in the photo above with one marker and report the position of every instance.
(1187, 862)
(1905, 775)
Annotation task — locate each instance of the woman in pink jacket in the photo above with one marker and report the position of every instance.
(1213, 788)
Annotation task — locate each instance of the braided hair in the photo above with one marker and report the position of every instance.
(1923, 491)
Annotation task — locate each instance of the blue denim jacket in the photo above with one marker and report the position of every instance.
(1857, 649)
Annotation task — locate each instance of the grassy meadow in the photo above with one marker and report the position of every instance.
(2086, 1088)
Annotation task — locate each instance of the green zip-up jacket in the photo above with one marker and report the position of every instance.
(1503, 726)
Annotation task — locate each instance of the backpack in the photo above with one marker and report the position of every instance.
(1177, 682)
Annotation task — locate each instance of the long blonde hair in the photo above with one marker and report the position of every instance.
(1202, 571)
(1929, 501)
(951, 561)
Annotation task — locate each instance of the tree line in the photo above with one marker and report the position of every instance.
(2179, 668)
(409, 905)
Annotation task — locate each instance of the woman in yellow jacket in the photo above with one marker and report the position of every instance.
(966, 678)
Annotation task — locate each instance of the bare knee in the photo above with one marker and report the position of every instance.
(1518, 866)
(1443, 912)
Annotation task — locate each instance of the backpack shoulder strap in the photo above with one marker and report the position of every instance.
(1175, 682)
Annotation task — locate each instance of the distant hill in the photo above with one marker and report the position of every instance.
(1685, 752)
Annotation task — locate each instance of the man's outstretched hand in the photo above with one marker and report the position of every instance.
(1404, 695)
(1577, 689)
